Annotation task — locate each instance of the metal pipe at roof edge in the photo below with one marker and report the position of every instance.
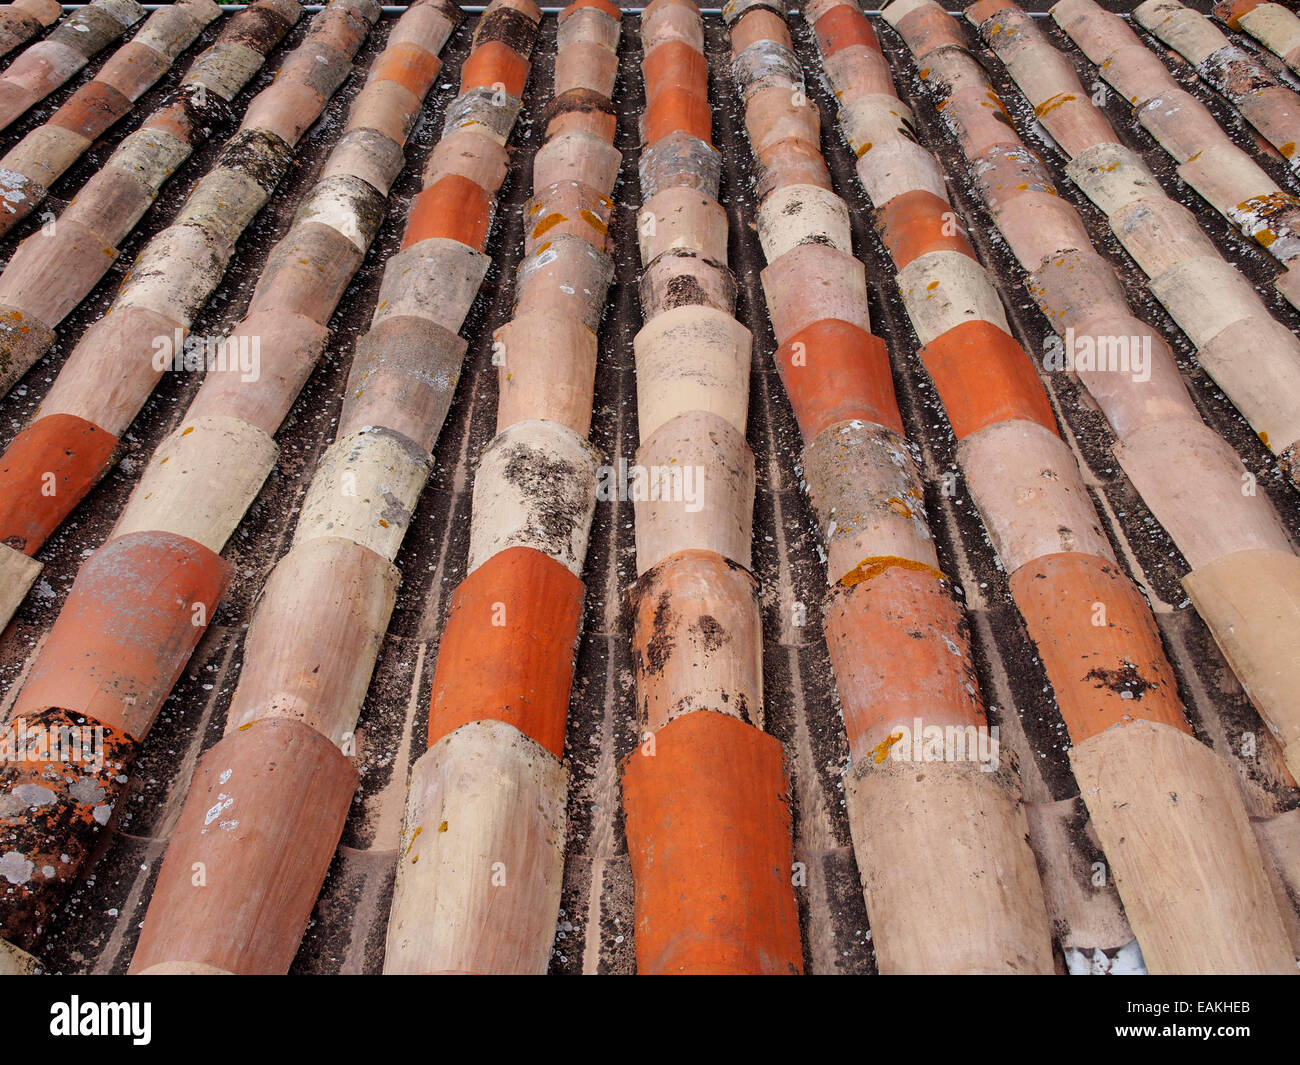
(478, 9)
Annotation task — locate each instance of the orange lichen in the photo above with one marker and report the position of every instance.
(878, 564)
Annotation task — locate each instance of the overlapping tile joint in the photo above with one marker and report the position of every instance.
(792, 490)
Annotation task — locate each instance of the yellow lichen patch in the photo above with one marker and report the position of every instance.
(592, 219)
(1053, 102)
(1266, 237)
(442, 827)
(187, 430)
(548, 223)
(931, 286)
(878, 564)
(864, 149)
(414, 836)
(881, 750)
(899, 507)
(1263, 439)
(1288, 149)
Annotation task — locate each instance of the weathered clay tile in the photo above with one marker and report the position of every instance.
(436, 279)
(869, 499)
(1251, 602)
(899, 167)
(900, 648)
(844, 27)
(126, 630)
(833, 372)
(314, 638)
(124, 665)
(917, 223)
(985, 377)
(288, 346)
(803, 214)
(580, 109)
(1077, 286)
(710, 778)
(811, 282)
(1098, 642)
(546, 369)
(577, 156)
(404, 375)
(483, 110)
(366, 155)
(944, 289)
(680, 111)
(681, 278)
(588, 25)
(567, 274)
(52, 812)
(790, 162)
(49, 277)
(494, 65)
(985, 913)
(858, 71)
(766, 65)
(664, 21)
(1160, 233)
(590, 66)
(925, 25)
(83, 451)
(1162, 396)
(1276, 27)
(1027, 486)
(682, 217)
(692, 358)
(97, 384)
(1224, 918)
(680, 159)
(775, 114)
(696, 490)
(696, 640)
(365, 488)
(535, 487)
(25, 19)
(481, 864)
(1256, 360)
(508, 647)
(566, 208)
(1184, 470)
(49, 63)
(868, 121)
(263, 849)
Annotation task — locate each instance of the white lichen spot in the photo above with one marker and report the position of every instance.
(15, 868)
